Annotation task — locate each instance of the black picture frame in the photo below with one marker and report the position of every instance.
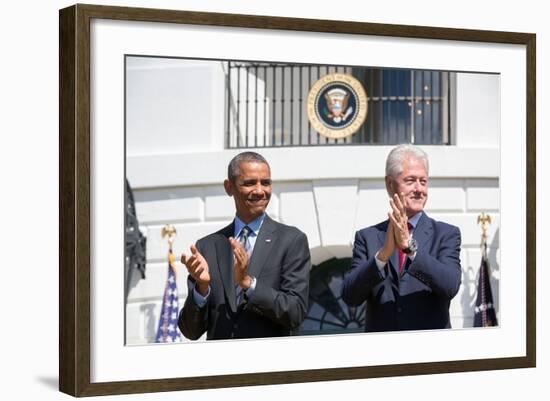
(75, 200)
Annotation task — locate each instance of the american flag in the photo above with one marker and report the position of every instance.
(485, 309)
(167, 331)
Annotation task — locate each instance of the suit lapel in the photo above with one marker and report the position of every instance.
(264, 244)
(225, 265)
(423, 231)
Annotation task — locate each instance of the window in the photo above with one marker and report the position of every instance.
(266, 105)
(327, 312)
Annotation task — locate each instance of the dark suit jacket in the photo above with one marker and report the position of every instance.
(280, 262)
(420, 297)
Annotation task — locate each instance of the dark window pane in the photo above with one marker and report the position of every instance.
(404, 106)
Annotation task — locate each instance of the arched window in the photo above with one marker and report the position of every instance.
(328, 313)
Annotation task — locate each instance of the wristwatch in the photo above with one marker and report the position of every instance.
(412, 246)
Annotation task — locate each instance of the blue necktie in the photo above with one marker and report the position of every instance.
(243, 239)
(245, 233)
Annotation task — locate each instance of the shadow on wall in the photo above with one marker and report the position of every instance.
(150, 321)
(495, 267)
(50, 382)
(470, 281)
(468, 299)
(131, 280)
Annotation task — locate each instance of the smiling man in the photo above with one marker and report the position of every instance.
(406, 268)
(251, 278)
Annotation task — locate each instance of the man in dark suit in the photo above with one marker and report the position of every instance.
(251, 278)
(406, 268)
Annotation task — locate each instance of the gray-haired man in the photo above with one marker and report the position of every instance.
(406, 268)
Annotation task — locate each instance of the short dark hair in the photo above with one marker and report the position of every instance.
(233, 169)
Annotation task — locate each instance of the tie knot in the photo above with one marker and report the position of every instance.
(245, 232)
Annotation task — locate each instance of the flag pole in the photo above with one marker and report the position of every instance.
(170, 231)
(167, 330)
(484, 220)
(484, 311)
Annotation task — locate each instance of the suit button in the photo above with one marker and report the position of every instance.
(399, 309)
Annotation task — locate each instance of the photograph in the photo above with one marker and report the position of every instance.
(205, 109)
(328, 190)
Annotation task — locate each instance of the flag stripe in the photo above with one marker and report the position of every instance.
(485, 314)
(167, 331)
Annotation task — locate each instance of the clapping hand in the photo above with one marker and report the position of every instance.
(398, 217)
(240, 265)
(198, 269)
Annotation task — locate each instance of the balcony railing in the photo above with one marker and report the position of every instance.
(266, 105)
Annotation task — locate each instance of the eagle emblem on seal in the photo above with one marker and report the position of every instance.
(337, 102)
(337, 105)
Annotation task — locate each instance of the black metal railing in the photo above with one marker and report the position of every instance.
(266, 105)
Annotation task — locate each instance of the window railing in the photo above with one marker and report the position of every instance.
(266, 105)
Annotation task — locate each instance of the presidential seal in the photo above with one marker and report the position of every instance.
(337, 105)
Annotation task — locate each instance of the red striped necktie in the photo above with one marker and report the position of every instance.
(401, 254)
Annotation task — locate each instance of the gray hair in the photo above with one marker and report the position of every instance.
(394, 162)
(233, 169)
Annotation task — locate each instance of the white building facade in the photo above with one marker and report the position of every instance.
(177, 156)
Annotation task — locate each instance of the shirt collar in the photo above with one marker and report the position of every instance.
(254, 225)
(414, 220)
